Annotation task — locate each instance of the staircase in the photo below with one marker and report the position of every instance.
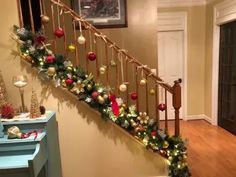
(97, 71)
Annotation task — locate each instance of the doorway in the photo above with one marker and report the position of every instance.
(227, 78)
(170, 63)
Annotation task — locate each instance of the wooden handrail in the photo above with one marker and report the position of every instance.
(175, 91)
(87, 25)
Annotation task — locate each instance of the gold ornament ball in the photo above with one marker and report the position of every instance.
(102, 70)
(101, 100)
(45, 19)
(71, 47)
(89, 87)
(123, 88)
(124, 106)
(105, 96)
(81, 40)
(165, 145)
(51, 71)
(143, 82)
(152, 92)
(69, 68)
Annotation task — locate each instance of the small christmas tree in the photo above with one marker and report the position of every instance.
(3, 91)
(34, 107)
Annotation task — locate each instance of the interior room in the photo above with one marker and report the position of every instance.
(121, 88)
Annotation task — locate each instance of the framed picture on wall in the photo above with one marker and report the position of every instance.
(103, 13)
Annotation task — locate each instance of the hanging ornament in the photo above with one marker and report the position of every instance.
(100, 99)
(102, 69)
(143, 82)
(112, 62)
(45, 19)
(81, 39)
(71, 48)
(162, 107)
(59, 32)
(123, 88)
(95, 95)
(50, 59)
(91, 56)
(134, 96)
(51, 71)
(68, 82)
(152, 91)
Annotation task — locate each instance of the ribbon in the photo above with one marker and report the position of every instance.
(114, 105)
(27, 135)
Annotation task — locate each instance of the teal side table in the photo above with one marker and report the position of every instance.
(1, 129)
(29, 157)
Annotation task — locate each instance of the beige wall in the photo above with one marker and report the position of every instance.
(195, 58)
(89, 146)
(208, 63)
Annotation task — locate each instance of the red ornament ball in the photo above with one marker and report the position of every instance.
(95, 95)
(134, 96)
(162, 107)
(40, 39)
(91, 56)
(50, 59)
(154, 133)
(59, 32)
(68, 81)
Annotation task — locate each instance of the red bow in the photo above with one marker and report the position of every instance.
(114, 105)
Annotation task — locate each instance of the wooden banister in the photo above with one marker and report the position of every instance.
(177, 104)
(89, 30)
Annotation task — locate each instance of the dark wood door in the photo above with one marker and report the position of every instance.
(227, 78)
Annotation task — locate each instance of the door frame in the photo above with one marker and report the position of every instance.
(177, 21)
(224, 12)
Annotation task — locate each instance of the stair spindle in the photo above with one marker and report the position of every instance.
(21, 22)
(166, 113)
(53, 27)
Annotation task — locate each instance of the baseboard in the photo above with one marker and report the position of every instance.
(199, 117)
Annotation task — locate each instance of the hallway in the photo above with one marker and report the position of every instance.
(211, 149)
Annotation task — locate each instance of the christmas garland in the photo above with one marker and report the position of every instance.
(59, 69)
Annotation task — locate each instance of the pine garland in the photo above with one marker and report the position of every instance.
(59, 69)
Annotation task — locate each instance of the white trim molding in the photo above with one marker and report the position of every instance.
(224, 12)
(199, 117)
(177, 21)
(180, 3)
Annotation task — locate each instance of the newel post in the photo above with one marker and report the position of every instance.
(177, 104)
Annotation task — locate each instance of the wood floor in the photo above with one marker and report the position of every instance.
(211, 149)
